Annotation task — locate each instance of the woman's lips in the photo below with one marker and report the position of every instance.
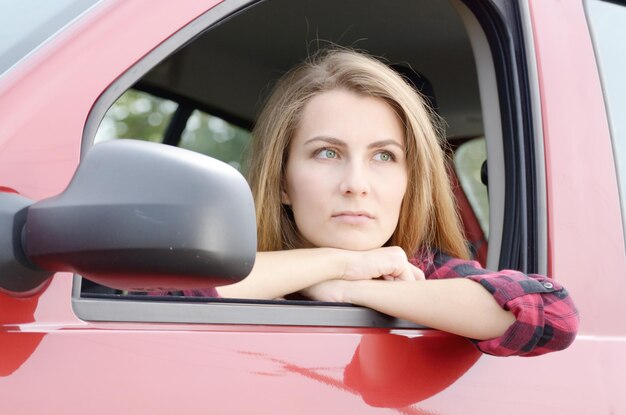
(353, 218)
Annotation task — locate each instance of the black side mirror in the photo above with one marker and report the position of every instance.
(136, 216)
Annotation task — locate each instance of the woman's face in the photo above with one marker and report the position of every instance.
(346, 171)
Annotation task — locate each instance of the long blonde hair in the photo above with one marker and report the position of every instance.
(428, 216)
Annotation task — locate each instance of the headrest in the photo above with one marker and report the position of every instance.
(419, 82)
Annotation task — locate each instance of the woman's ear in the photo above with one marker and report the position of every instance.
(284, 198)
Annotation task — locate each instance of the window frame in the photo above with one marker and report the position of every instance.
(495, 30)
(508, 41)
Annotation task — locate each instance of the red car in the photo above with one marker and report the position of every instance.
(533, 95)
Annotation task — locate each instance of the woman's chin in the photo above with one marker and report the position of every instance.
(353, 245)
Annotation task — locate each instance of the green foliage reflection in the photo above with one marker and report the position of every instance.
(141, 116)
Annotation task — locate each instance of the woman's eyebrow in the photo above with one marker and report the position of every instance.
(330, 140)
(339, 143)
(383, 143)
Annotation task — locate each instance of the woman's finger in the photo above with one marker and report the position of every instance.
(406, 274)
(418, 274)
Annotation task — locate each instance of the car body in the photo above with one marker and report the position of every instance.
(535, 91)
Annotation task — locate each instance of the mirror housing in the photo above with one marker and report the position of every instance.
(136, 216)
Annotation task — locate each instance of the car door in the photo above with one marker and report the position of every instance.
(73, 350)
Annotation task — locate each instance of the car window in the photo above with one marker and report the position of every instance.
(608, 27)
(26, 24)
(136, 115)
(143, 116)
(211, 135)
(214, 77)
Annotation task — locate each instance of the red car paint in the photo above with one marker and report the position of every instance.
(53, 362)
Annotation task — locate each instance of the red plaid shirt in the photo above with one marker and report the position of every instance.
(546, 317)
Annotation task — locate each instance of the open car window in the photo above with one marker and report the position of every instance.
(142, 116)
(202, 89)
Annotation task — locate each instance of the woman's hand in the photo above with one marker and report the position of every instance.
(388, 262)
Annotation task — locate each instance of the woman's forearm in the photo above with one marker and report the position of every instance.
(457, 305)
(276, 274)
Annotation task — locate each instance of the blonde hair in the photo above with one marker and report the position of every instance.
(428, 215)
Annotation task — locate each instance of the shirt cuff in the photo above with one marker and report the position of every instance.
(545, 318)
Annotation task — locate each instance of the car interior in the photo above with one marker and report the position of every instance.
(203, 89)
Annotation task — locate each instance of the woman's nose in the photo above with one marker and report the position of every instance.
(354, 180)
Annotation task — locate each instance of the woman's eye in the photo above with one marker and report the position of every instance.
(327, 153)
(383, 156)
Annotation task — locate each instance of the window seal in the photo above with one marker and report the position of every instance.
(502, 23)
(172, 309)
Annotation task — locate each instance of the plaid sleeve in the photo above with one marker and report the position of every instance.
(546, 317)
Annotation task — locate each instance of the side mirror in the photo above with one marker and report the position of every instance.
(136, 216)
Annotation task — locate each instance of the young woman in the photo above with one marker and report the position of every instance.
(354, 205)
